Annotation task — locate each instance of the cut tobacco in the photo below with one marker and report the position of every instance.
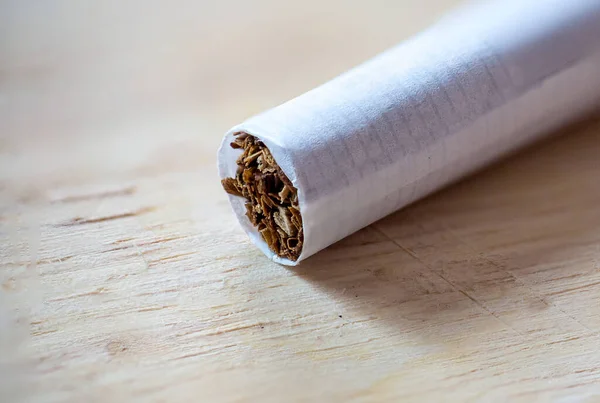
(271, 199)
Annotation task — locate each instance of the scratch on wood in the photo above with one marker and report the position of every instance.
(42, 333)
(594, 370)
(102, 195)
(82, 221)
(332, 348)
(117, 248)
(569, 277)
(500, 266)
(123, 247)
(118, 241)
(117, 277)
(162, 240)
(155, 308)
(85, 294)
(564, 340)
(451, 284)
(168, 258)
(555, 388)
(493, 314)
(55, 260)
(463, 374)
(582, 287)
(233, 329)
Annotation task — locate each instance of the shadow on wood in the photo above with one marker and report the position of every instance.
(447, 257)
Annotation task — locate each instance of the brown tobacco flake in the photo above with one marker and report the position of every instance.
(230, 186)
(271, 199)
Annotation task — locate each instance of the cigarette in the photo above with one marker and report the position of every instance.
(484, 81)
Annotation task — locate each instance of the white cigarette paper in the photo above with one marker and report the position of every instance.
(487, 79)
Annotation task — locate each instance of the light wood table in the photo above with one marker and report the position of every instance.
(124, 275)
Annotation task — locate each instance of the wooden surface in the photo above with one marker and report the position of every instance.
(124, 275)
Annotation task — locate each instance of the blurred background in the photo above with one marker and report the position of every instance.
(129, 78)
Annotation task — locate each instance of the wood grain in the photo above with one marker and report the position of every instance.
(125, 277)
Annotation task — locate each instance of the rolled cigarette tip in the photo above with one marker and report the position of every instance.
(486, 80)
(271, 200)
